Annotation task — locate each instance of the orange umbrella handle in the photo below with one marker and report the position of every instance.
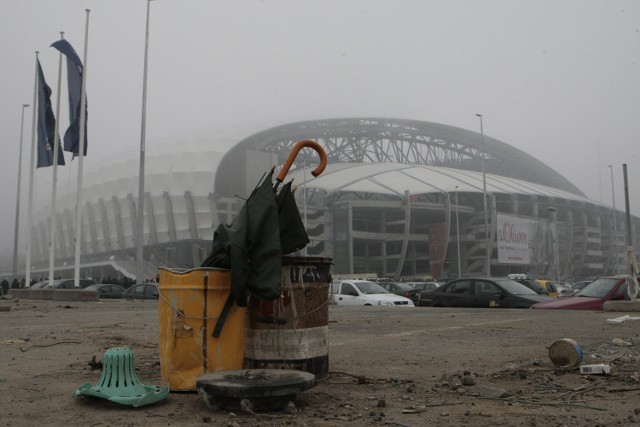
(294, 152)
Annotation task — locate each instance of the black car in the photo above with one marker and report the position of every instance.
(397, 288)
(141, 291)
(418, 287)
(106, 290)
(494, 292)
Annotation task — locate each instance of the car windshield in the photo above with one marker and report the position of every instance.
(370, 288)
(403, 286)
(515, 288)
(92, 287)
(533, 285)
(599, 288)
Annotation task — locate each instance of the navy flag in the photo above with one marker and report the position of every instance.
(46, 124)
(74, 82)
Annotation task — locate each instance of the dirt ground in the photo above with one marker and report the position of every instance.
(388, 367)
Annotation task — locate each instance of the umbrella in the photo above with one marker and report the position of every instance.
(266, 228)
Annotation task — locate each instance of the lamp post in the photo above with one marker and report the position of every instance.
(458, 235)
(556, 252)
(15, 235)
(615, 227)
(143, 127)
(487, 267)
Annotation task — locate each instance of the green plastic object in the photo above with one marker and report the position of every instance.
(119, 382)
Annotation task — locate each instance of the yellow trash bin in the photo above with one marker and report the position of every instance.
(189, 306)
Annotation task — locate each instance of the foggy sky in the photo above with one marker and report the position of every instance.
(557, 80)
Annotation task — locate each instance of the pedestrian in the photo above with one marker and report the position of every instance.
(5, 286)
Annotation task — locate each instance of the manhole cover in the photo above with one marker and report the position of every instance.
(262, 389)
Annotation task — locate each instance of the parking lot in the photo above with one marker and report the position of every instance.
(388, 366)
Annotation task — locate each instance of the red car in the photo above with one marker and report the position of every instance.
(592, 296)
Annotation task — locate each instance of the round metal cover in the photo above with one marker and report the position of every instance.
(565, 353)
(267, 389)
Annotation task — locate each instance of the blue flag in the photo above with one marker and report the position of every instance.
(74, 82)
(46, 124)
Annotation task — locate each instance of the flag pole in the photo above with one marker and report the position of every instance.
(56, 143)
(140, 222)
(32, 176)
(81, 148)
(17, 226)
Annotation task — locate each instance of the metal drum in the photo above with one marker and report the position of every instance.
(292, 332)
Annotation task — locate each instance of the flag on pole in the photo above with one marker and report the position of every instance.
(74, 82)
(46, 124)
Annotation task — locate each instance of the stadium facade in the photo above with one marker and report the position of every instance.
(399, 198)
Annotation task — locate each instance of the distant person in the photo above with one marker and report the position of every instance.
(5, 286)
(15, 284)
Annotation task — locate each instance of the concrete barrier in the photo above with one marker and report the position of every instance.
(36, 293)
(22, 293)
(75, 295)
(631, 306)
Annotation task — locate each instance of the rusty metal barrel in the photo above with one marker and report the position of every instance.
(292, 332)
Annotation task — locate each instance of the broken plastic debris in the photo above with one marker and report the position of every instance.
(597, 369)
(621, 319)
(621, 342)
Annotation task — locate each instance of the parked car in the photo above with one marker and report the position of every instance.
(69, 283)
(492, 292)
(592, 296)
(575, 288)
(142, 291)
(418, 287)
(550, 287)
(364, 292)
(43, 284)
(397, 288)
(106, 290)
(534, 285)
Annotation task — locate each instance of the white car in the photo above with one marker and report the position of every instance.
(363, 292)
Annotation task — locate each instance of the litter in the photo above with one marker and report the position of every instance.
(621, 319)
(119, 382)
(565, 353)
(597, 369)
(621, 343)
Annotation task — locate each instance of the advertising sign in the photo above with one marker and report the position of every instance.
(437, 249)
(525, 241)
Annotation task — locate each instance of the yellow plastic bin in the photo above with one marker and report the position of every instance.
(189, 306)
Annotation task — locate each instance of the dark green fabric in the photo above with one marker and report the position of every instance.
(293, 235)
(250, 246)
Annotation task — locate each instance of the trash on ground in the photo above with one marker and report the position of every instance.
(596, 369)
(119, 382)
(621, 319)
(565, 353)
(621, 343)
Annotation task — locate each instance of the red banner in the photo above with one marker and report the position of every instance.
(437, 249)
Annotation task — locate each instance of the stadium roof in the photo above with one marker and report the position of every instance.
(394, 179)
(386, 140)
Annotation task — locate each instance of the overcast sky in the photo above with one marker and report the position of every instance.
(559, 80)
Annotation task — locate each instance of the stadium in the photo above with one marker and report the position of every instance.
(399, 198)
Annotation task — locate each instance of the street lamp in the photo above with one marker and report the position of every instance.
(458, 234)
(15, 235)
(556, 251)
(615, 227)
(487, 267)
(143, 128)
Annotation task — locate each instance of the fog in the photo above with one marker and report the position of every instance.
(557, 80)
